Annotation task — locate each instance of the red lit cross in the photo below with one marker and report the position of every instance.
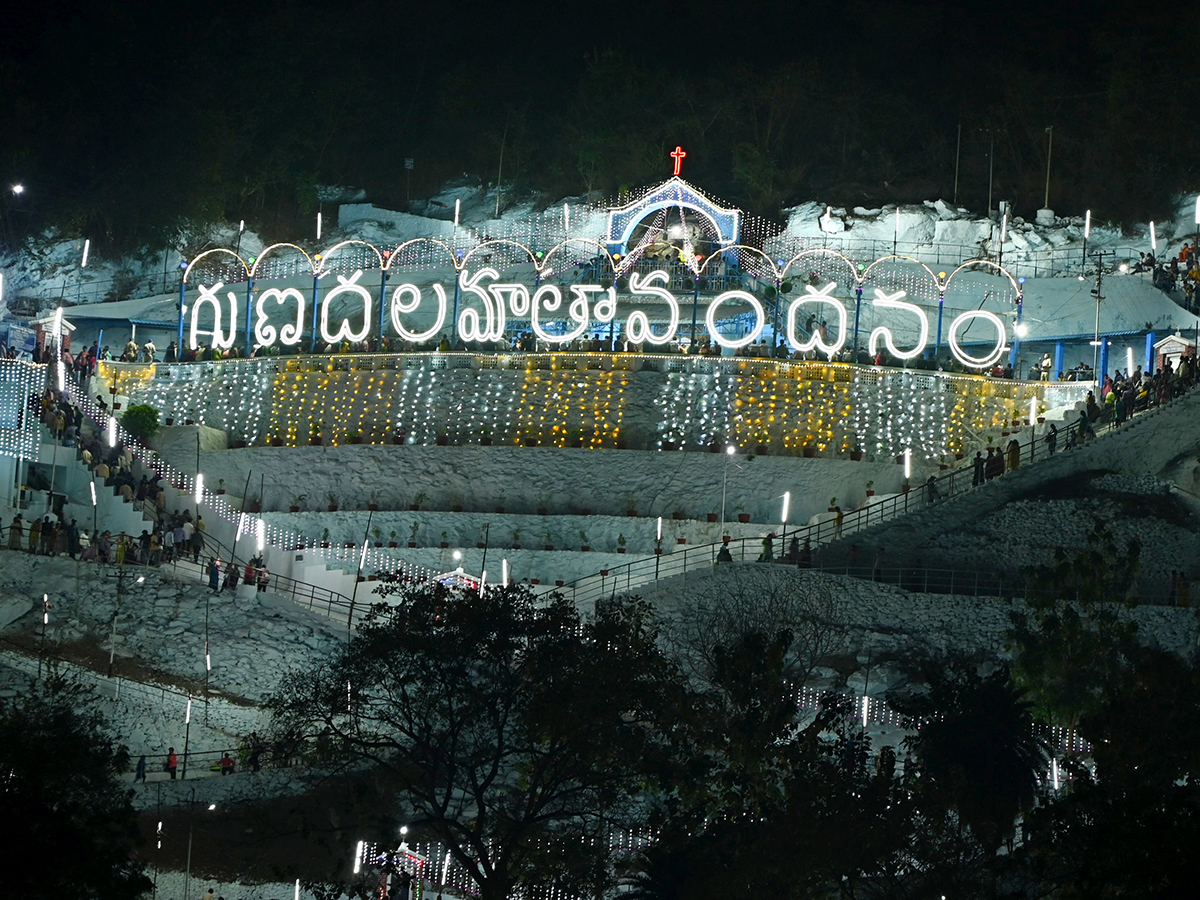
(678, 154)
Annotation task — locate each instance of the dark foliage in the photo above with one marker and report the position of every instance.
(66, 822)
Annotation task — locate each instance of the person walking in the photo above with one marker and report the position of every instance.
(16, 533)
(140, 774)
(1052, 438)
(768, 552)
(214, 576)
(172, 762)
(1014, 455)
(977, 469)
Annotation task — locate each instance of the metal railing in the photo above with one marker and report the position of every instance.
(954, 482)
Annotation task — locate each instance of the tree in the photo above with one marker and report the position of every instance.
(516, 728)
(755, 600)
(975, 746)
(141, 421)
(66, 822)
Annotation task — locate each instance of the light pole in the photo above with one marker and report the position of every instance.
(729, 451)
(112, 634)
(1049, 154)
(187, 878)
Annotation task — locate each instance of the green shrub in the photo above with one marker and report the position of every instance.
(141, 421)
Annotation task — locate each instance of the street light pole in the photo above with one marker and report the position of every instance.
(1049, 154)
(729, 451)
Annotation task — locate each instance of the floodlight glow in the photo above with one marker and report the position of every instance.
(58, 314)
(482, 581)
(864, 710)
(207, 661)
(241, 225)
(211, 807)
(62, 376)
(199, 488)
(1033, 405)
(1123, 268)
(760, 319)
(908, 463)
(659, 537)
(1198, 210)
(457, 207)
(18, 189)
(112, 431)
(1153, 238)
(241, 527)
(187, 716)
(962, 356)
(141, 579)
(457, 555)
(1003, 229)
(362, 557)
(87, 246)
(358, 857)
(787, 501)
(730, 450)
(1087, 223)
(1020, 329)
(504, 566)
(1128, 361)
(262, 535)
(45, 609)
(92, 485)
(297, 889)
(318, 226)
(566, 217)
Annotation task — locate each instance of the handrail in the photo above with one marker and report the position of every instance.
(276, 536)
(648, 569)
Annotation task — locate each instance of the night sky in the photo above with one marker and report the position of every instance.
(126, 117)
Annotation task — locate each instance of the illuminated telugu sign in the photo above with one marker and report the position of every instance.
(488, 305)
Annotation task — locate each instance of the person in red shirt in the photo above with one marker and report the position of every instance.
(227, 765)
(172, 762)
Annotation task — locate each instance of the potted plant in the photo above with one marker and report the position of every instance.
(445, 541)
(548, 540)
(575, 437)
(856, 453)
(621, 543)
(678, 514)
(333, 502)
(314, 435)
(412, 534)
(256, 504)
(420, 498)
(220, 486)
(870, 488)
(809, 450)
(668, 445)
(558, 582)
(680, 540)
(543, 505)
(481, 543)
(296, 502)
(373, 501)
(584, 542)
(833, 504)
(170, 421)
(442, 439)
(276, 441)
(905, 487)
(485, 436)
(378, 535)
(743, 516)
(392, 545)
(456, 503)
(325, 539)
(500, 503)
(349, 545)
(765, 449)
(356, 438)
(712, 517)
(516, 538)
